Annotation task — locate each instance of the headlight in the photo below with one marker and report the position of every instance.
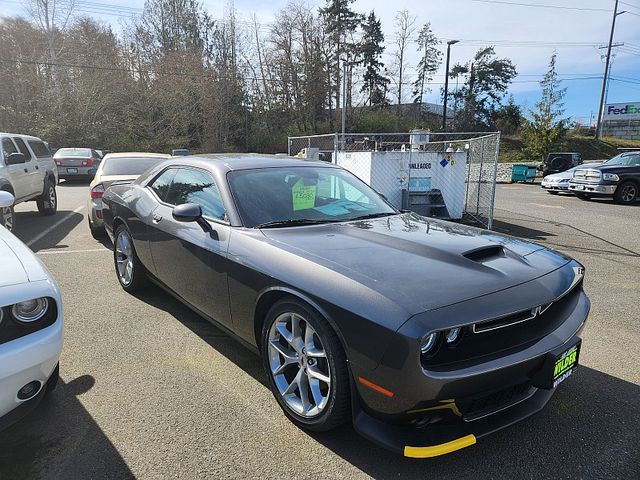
(565, 180)
(612, 177)
(428, 343)
(452, 334)
(30, 310)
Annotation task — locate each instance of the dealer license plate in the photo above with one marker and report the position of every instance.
(558, 366)
(72, 170)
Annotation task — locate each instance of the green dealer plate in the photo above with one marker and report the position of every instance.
(558, 365)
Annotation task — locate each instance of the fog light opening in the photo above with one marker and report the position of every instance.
(30, 390)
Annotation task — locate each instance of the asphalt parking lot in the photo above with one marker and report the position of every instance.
(151, 390)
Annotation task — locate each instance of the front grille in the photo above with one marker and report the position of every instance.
(479, 407)
(587, 175)
(502, 336)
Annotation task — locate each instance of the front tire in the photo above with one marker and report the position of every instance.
(53, 381)
(129, 269)
(626, 193)
(48, 202)
(8, 218)
(583, 196)
(306, 366)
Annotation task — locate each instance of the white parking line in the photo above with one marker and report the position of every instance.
(58, 252)
(545, 206)
(47, 231)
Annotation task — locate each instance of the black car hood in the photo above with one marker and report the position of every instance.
(419, 263)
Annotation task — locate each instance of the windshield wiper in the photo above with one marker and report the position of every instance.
(371, 215)
(293, 223)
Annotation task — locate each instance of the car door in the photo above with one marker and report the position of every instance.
(34, 181)
(188, 260)
(16, 173)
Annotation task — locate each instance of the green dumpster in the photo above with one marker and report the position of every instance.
(523, 173)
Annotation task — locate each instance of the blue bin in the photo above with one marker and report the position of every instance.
(523, 173)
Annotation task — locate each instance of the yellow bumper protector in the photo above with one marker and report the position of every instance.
(442, 449)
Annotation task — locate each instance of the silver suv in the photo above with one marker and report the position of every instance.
(28, 172)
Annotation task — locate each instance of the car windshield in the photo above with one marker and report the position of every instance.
(128, 165)
(74, 152)
(287, 196)
(625, 159)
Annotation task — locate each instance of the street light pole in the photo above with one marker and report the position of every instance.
(344, 99)
(446, 85)
(605, 78)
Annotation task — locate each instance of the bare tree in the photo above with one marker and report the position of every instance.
(405, 24)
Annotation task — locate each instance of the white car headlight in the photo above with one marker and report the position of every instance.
(30, 310)
(612, 177)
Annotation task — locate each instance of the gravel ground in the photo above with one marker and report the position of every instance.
(150, 390)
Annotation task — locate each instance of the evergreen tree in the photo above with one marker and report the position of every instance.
(547, 127)
(429, 61)
(487, 79)
(375, 83)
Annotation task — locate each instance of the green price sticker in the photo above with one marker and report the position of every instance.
(304, 196)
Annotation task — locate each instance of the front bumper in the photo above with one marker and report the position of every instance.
(32, 357)
(558, 187)
(592, 188)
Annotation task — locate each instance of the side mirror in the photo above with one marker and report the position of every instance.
(6, 199)
(15, 158)
(187, 212)
(192, 212)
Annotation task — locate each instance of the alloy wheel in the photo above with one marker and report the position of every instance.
(628, 193)
(299, 365)
(7, 218)
(124, 258)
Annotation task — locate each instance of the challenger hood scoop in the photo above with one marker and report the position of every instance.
(416, 262)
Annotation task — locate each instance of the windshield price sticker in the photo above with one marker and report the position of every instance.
(304, 196)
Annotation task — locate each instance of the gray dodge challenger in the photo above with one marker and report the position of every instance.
(427, 335)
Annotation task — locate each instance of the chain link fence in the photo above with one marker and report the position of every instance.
(442, 175)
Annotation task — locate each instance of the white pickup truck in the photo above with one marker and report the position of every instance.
(28, 172)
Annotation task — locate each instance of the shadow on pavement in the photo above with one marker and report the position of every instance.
(30, 224)
(59, 430)
(215, 337)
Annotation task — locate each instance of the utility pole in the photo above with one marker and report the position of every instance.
(344, 99)
(446, 85)
(606, 70)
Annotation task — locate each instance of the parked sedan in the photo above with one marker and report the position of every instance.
(559, 182)
(76, 163)
(30, 327)
(120, 168)
(428, 335)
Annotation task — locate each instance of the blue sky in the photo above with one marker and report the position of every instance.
(528, 35)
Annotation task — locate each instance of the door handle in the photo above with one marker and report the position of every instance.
(156, 218)
(37, 167)
(26, 170)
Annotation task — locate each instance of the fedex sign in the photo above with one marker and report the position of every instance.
(622, 111)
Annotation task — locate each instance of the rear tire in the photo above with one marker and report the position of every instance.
(129, 269)
(96, 233)
(306, 366)
(48, 201)
(626, 193)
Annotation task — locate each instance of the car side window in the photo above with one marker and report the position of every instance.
(8, 147)
(162, 183)
(196, 186)
(39, 148)
(23, 149)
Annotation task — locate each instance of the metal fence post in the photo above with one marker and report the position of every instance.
(480, 176)
(289, 146)
(493, 185)
(335, 148)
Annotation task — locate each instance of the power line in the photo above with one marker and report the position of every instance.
(537, 5)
